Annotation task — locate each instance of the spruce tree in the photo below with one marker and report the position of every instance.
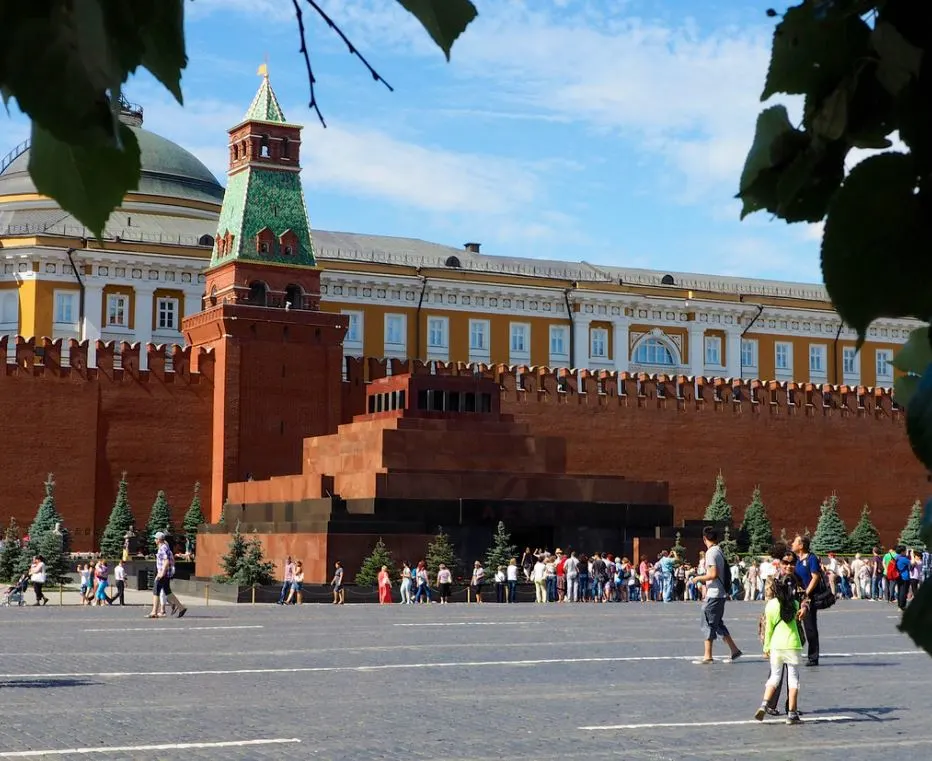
(729, 547)
(121, 520)
(253, 568)
(679, 549)
(831, 535)
(756, 526)
(160, 519)
(912, 532)
(718, 511)
(864, 537)
(45, 522)
(233, 560)
(368, 575)
(193, 518)
(10, 554)
(440, 550)
(53, 549)
(501, 552)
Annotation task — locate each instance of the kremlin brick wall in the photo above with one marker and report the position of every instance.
(797, 442)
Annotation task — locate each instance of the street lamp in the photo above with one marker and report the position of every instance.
(61, 551)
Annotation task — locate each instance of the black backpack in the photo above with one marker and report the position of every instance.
(726, 577)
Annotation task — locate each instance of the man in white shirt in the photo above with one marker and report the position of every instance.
(119, 575)
(713, 609)
(571, 570)
(512, 576)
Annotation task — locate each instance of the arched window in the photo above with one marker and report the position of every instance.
(213, 296)
(294, 295)
(205, 240)
(264, 147)
(653, 351)
(258, 293)
(667, 280)
(453, 261)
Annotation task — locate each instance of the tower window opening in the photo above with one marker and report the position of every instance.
(258, 293)
(264, 147)
(286, 149)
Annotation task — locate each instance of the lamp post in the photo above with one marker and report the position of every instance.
(61, 551)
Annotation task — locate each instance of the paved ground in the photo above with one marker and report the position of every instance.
(458, 683)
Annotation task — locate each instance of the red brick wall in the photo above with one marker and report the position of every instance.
(86, 427)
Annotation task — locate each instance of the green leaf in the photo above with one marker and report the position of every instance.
(900, 60)
(773, 134)
(444, 20)
(87, 181)
(876, 216)
(917, 618)
(813, 49)
(871, 114)
(164, 48)
(916, 354)
(832, 117)
(919, 419)
(903, 389)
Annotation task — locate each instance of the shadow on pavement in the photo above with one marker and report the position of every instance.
(43, 684)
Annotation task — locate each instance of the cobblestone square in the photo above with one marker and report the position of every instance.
(458, 683)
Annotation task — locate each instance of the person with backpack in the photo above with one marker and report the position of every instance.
(782, 646)
(889, 575)
(902, 565)
(809, 571)
(717, 580)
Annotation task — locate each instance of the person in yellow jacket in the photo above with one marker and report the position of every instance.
(783, 646)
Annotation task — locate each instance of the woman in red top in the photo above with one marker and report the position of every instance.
(385, 587)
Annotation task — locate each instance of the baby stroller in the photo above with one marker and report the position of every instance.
(16, 594)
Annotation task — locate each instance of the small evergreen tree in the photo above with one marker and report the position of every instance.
(864, 537)
(121, 520)
(253, 567)
(756, 526)
(46, 520)
(501, 552)
(10, 554)
(831, 535)
(718, 511)
(729, 547)
(679, 549)
(236, 551)
(194, 518)
(912, 532)
(160, 519)
(52, 546)
(440, 550)
(224, 509)
(368, 575)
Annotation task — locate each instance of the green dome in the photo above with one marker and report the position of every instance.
(167, 170)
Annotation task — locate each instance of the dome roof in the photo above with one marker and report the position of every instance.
(167, 170)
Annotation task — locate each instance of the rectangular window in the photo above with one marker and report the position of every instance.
(479, 336)
(66, 307)
(118, 310)
(598, 342)
(353, 329)
(817, 364)
(783, 356)
(438, 332)
(395, 334)
(849, 360)
(9, 309)
(748, 352)
(713, 351)
(519, 338)
(167, 314)
(884, 359)
(559, 342)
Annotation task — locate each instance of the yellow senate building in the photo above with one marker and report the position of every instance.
(409, 298)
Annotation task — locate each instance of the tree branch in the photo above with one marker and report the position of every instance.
(313, 105)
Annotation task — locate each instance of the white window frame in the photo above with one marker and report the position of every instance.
(353, 340)
(62, 295)
(598, 343)
(114, 299)
(438, 337)
(749, 353)
(519, 342)
(818, 371)
(852, 376)
(9, 310)
(712, 351)
(396, 343)
(783, 373)
(479, 350)
(650, 348)
(882, 365)
(167, 301)
(559, 344)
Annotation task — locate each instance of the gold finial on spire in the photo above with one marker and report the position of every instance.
(264, 68)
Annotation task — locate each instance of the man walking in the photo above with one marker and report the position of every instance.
(337, 584)
(288, 580)
(717, 581)
(809, 570)
(119, 575)
(164, 570)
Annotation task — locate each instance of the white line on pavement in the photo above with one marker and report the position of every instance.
(139, 748)
(471, 623)
(412, 666)
(741, 722)
(155, 628)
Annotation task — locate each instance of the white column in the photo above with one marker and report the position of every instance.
(696, 349)
(733, 353)
(620, 344)
(580, 358)
(192, 303)
(90, 325)
(142, 321)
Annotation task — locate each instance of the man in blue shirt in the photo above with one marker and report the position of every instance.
(666, 575)
(809, 570)
(903, 566)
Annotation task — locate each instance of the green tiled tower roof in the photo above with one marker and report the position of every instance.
(265, 106)
(264, 216)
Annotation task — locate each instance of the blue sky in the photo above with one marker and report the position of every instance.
(611, 131)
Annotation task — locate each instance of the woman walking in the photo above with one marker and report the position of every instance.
(37, 578)
(385, 587)
(783, 646)
(445, 582)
